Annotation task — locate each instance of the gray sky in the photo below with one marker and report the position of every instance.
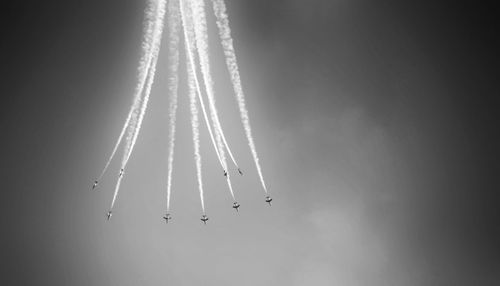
(373, 123)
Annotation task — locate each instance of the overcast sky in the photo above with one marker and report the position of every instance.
(374, 122)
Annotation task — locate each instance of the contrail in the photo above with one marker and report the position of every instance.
(137, 119)
(189, 41)
(173, 59)
(199, 19)
(194, 87)
(151, 76)
(144, 64)
(200, 27)
(227, 43)
(228, 180)
(195, 127)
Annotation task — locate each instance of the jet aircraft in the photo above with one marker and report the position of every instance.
(167, 217)
(204, 219)
(236, 206)
(268, 200)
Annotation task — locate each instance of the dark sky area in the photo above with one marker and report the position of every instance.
(375, 122)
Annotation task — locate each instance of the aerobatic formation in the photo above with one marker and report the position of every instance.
(186, 19)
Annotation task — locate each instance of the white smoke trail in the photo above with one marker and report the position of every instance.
(137, 118)
(230, 187)
(151, 76)
(227, 43)
(194, 87)
(195, 127)
(190, 44)
(200, 25)
(198, 18)
(173, 59)
(143, 67)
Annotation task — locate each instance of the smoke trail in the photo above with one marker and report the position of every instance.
(230, 186)
(151, 76)
(194, 87)
(135, 127)
(195, 127)
(189, 41)
(200, 25)
(143, 67)
(198, 17)
(227, 43)
(190, 51)
(173, 59)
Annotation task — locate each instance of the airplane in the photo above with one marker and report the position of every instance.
(121, 173)
(95, 184)
(204, 219)
(167, 217)
(239, 171)
(268, 200)
(109, 215)
(236, 206)
(225, 173)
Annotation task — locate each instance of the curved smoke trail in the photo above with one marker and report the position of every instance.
(144, 64)
(194, 87)
(173, 59)
(200, 27)
(228, 180)
(151, 76)
(195, 127)
(197, 16)
(137, 118)
(190, 44)
(227, 43)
